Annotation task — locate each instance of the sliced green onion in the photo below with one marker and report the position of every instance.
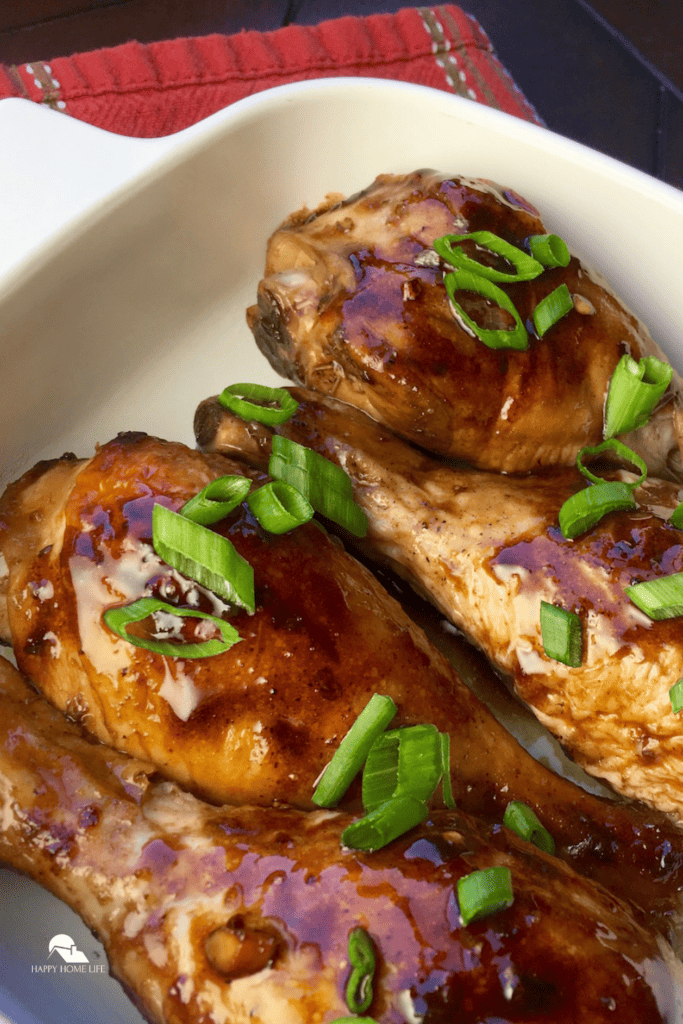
(386, 823)
(561, 634)
(620, 449)
(549, 250)
(676, 697)
(118, 620)
(661, 598)
(446, 784)
(526, 267)
(403, 762)
(326, 486)
(362, 958)
(677, 517)
(353, 750)
(203, 556)
(462, 280)
(551, 309)
(522, 820)
(634, 390)
(484, 892)
(279, 507)
(217, 500)
(298, 456)
(584, 509)
(354, 1020)
(270, 405)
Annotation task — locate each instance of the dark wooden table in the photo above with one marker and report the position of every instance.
(609, 73)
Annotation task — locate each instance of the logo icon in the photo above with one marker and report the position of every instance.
(66, 947)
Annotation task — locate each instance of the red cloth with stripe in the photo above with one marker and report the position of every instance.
(156, 89)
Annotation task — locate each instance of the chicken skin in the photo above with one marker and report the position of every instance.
(486, 550)
(243, 915)
(352, 304)
(257, 723)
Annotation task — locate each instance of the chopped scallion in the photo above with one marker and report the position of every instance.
(620, 449)
(676, 697)
(258, 402)
(549, 250)
(386, 823)
(362, 958)
(217, 500)
(551, 309)
(446, 783)
(634, 390)
(402, 762)
(354, 1020)
(279, 507)
(485, 892)
(661, 598)
(204, 556)
(118, 620)
(677, 517)
(525, 266)
(353, 750)
(522, 820)
(586, 508)
(561, 634)
(326, 486)
(465, 281)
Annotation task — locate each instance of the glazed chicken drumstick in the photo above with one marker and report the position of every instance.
(353, 305)
(258, 723)
(486, 550)
(214, 915)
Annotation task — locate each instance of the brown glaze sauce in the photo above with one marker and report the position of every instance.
(384, 338)
(310, 600)
(563, 952)
(636, 545)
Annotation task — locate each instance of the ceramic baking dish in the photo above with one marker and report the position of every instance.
(126, 268)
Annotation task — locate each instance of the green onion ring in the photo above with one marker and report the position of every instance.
(661, 598)
(118, 620)
(551, 309)
(561, 634)
(634, 390)
(550, 250)
(354, 1020)
(386, 823)
(521, 819)
(362, 958)
(353, 750)
(583, 510)
(325, 485)
(237, 397)
(676, 697)
(484, 892)
(622, 451)
(279, 507)
(526, 267)
(677, 517)
(462, 280)
(217, 500)
(204, 556)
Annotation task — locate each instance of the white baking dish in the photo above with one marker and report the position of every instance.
(126, 269)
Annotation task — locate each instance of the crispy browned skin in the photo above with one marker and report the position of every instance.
(243, 915)
(260, 721)
(346, 308)
(486, 549)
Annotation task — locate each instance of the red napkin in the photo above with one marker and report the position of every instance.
(153, 90)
